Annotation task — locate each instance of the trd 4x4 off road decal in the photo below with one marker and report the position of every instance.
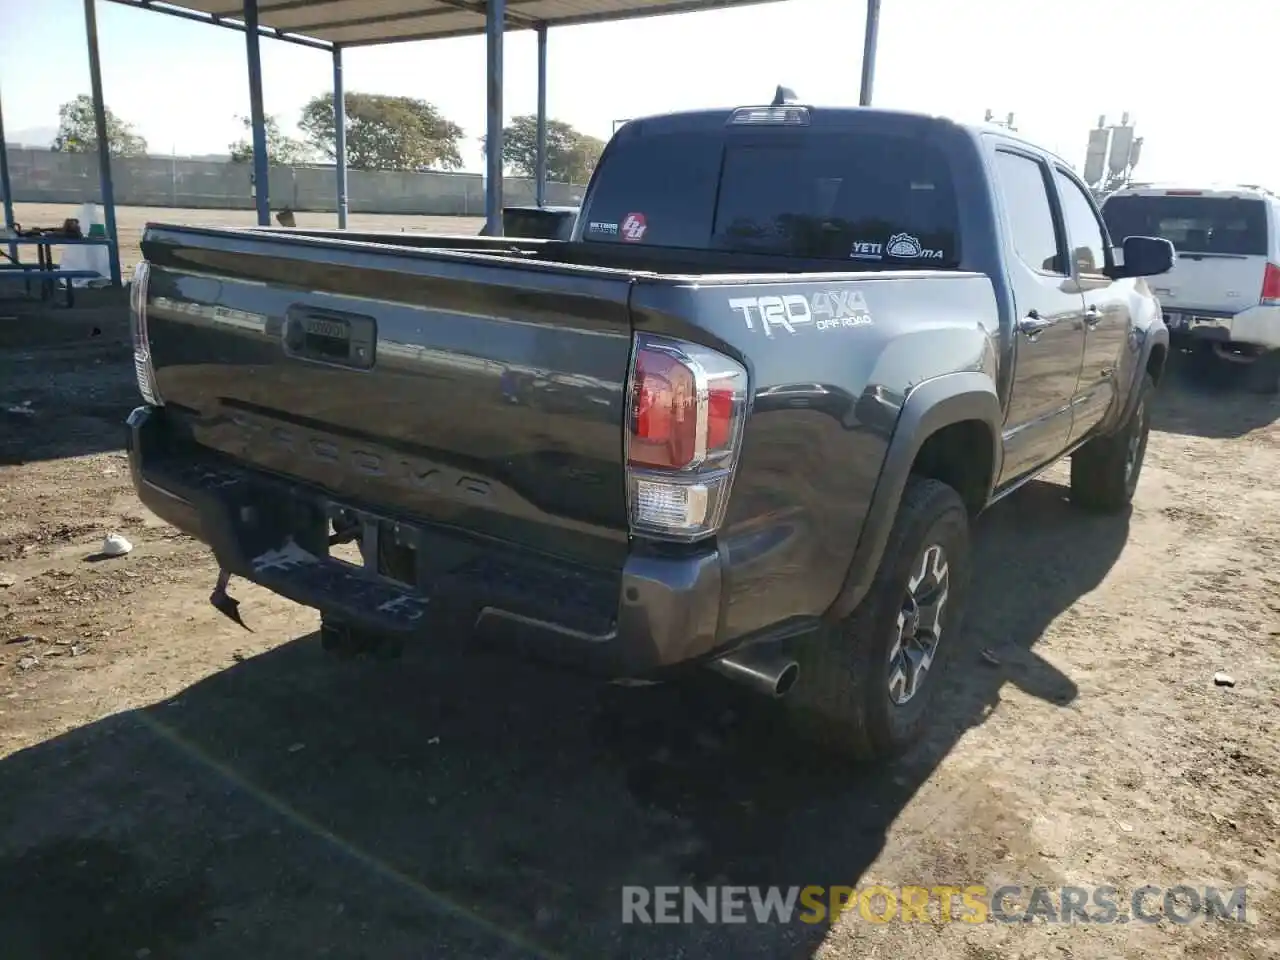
(826, 310)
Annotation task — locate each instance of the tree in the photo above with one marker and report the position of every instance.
(282, 149)
(571, 154)
(77, 132)
(385, 133)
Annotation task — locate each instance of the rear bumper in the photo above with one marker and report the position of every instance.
(656, 613)
(1258, 326)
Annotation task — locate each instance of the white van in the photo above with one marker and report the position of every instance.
(1223, 292)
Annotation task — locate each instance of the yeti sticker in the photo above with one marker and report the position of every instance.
(906, 247)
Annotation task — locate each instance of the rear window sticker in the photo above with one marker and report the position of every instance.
(907, 247)
(633, 227)
(600, 227)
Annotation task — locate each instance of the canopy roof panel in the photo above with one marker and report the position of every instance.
(362, 22)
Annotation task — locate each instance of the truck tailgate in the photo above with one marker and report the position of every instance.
(477, 393)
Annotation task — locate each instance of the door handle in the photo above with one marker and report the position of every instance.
(1033, 324)
(1092, 317)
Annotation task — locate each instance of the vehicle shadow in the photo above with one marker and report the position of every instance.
(1202, 396)
(66, 377)
(465, 805)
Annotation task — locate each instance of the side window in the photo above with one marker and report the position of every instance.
(1026, 198)
(1084, 231)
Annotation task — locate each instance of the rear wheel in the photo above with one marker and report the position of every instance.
(1105, 471)
(867, 684)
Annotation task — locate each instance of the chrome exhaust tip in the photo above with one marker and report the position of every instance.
(765, 669)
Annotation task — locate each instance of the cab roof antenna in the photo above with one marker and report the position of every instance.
(783, 95)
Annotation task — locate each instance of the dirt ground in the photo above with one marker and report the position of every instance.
(130, 222)
(173, 786)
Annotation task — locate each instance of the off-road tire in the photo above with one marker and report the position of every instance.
(1101, 479)
(841, 702)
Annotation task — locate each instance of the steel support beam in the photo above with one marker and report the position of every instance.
(540, 177)
(495, 20)
(104, 144)
(6, 187)
(257, 116)
(869, 40)
(212, 20)
(340, 136)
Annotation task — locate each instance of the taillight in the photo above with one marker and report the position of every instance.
(143, 369)
(687, 404)
(1271, 286)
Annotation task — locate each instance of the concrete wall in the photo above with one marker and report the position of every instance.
(43, 176)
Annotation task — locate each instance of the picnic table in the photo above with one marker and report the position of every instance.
(45, 269)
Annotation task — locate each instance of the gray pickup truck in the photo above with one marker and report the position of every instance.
(742, 419)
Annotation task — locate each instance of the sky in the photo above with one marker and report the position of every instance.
(1197, 79)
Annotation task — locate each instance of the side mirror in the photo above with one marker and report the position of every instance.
(1145, 257)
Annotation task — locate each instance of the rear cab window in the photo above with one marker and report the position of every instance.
(863, 197)
(1234, 226)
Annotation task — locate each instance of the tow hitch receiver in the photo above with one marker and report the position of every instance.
(223, 602)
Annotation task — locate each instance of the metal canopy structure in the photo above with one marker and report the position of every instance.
(333, 25)
(351, 23)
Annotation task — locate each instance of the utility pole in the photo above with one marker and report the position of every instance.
(870, 40)
(1007, 123)
(1112, 154)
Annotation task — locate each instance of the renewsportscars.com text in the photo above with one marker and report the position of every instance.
(974, 903)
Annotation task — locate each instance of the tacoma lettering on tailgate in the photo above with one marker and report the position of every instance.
(249, 432)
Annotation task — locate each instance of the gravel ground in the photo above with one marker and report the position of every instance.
(172, 786)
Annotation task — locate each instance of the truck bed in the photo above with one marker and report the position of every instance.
(676, 263)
